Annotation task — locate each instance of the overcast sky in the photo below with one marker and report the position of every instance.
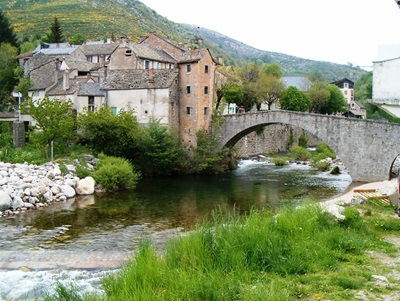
(340, 31)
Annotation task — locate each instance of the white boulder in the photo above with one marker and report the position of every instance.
(85, 186)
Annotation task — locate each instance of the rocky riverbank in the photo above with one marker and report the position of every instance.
(27, 186)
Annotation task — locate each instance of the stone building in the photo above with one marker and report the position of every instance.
(154, 78)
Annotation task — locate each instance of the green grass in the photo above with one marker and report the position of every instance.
(293, 254)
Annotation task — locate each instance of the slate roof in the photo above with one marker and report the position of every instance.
(43, 76)
(192, 55)
(98, 49)
(146, 52)
(139, 79)
(90, 89)
(81, 65)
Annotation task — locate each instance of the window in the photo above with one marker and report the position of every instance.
(115, 110)
(188, 110)
(206, 69)
(91, 103)
(188, 89)
(128, 52)
(188, 68)
(146, 64)
(206, 90)
(169, 66)
(346, 85)
(205, 111)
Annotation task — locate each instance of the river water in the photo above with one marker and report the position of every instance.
(81, 239)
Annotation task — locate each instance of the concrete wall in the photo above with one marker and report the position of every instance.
(146, 103)
(386, 88)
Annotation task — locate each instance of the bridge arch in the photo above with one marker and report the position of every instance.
(367, 148)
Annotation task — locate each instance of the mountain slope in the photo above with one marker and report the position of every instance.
(98, 19)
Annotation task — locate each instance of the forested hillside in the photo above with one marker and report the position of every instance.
(98, 19)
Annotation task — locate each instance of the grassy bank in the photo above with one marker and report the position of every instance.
(293, 254)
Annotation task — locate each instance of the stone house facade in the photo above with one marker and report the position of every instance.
(154, 78)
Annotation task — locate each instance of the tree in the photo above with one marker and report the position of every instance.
(160, 153)
(271, 69)
(336, 102)
(8, 54)
(249, 72)
(363, 87)
(77, 39)
(250, 96)
(55, 35)
(7, 34)
(269, 89)
(319, 94)
(54, 120)
(113, 135)
(233, 94)
(295, 100)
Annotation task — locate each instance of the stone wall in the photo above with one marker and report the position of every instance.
(275, 137)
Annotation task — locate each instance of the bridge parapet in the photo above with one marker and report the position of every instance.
(367, 148)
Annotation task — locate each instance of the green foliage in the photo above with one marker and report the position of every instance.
(64, 293)
(291, 139)
(160, 153)
(322, 152)
(114, 173)
(233, 94)
(77, 39)
(325, 150)
(260, 256)
(319, 95)
(336, 102)
(295, 100)
(7, 34)
(335, 170)
(54, 121)
(363, 87)
(280, 161)
(299, 153)
(82, 172)
(208, 157)
(8, 54)
(55, 34)
(272, 69)
(269, 89)
(303, 140)
(250, 96)
(114, 135)
(29, 153)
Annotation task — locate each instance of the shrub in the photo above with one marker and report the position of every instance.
(335, 170)
(82, 172)
(325, 150)
(299, 153)
(114, 173)
(322, 165)
(303, 141)
(280, 161)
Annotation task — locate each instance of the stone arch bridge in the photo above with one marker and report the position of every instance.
(367, 148)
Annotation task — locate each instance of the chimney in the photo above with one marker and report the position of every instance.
(108, 40)
(66, 80)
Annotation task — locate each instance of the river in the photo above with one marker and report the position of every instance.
(81, 239)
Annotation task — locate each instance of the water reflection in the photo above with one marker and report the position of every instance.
(118, 220)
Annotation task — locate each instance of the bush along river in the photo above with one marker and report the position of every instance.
(80, 239)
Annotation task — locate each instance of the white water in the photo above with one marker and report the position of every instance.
(35, 285)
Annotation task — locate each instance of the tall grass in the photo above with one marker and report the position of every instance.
(297, 253)
(252, 257)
